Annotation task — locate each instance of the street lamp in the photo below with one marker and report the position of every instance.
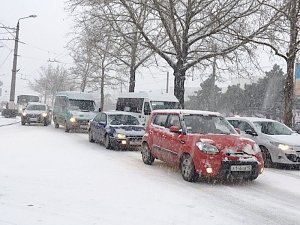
(14, 69)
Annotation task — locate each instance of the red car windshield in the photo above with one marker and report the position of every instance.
(204, 124)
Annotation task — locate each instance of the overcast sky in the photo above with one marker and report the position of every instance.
(44, 38)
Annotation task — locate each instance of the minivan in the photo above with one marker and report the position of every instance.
(73, 110)
(142, 103)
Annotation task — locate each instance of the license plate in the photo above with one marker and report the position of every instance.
(135, 142)
(33, 119)
(83, 126)
(241, 168)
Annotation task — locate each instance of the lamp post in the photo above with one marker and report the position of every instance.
(14, 69)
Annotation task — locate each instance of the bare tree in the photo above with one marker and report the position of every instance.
(187, 28)
(283, 38)
(84, 68)
(52, 80)
(101, 40)
(132, 51)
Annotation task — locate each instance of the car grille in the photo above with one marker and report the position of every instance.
(33, 115)
(293, 157)
(83, 122)
(135, 138)
(225, 171)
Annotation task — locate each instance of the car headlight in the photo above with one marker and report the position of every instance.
(44, 114)
(207, 148)
(283, 147)
(121, 136)
(72, 120)
(24, 113)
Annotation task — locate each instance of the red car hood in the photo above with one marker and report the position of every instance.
(229, 143)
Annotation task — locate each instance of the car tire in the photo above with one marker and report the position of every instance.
(187, 168)
(146, 154)
(23, 122)
(91, 139)
(253, 177)
(266, 157)
(45, 122)
(107, 142)
(67, 129)
(56, 125)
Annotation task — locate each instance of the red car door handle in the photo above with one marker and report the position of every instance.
(182, 142)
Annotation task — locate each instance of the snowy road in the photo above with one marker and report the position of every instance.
(50, 177)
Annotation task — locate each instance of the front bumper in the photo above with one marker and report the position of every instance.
(226, 171)
(218, 166)
(129, 142)
(34, 118)
(79, 124)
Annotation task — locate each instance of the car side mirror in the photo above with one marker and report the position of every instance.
(250, 132)
(175, 129)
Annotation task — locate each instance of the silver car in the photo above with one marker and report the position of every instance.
(278, 143)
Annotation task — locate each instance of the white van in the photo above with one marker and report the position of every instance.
(73, 110)
(142, 103)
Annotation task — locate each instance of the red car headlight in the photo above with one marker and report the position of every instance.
(207, 148)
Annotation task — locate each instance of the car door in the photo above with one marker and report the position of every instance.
(94, 127)
(157, 130)
(101, 127)
(171, 142)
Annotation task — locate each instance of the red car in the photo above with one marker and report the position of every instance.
(202, 144)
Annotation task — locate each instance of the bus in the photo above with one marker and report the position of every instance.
(22, 101)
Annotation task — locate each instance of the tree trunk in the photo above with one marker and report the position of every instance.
(289, 93)
(291, 57)
(102, 88)
(179, 79)
(132, 80)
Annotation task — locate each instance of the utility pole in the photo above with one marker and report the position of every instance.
(167, 87)
(11, 111)
(14, 69)
(213, 82)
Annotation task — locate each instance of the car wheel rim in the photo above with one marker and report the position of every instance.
(186, 167)
(145, 152)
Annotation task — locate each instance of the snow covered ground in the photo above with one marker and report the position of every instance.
(50, 177)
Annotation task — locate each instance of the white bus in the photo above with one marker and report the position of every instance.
(142, 103)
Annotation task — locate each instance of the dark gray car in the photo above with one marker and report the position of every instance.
(36, 113)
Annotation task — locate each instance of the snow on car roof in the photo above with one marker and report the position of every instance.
(36, 103)
(187, 111)
(249, 118)
(152, 96)
(114, 112)
(77, 95)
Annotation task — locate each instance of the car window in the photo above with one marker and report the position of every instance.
(147, 109)
(36, 107)
(173, 120)
(243, 126)
(103, 118)
(273, 128)
(98, 117)
(234, 123)
(121, 119)
(203, 124)
(160, 119)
